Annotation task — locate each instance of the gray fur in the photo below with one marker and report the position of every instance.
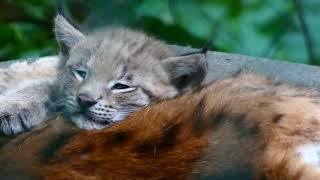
(24, 107)
(66, 35)
(24, 94)
(146, 69)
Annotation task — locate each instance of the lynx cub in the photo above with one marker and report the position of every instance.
(98, 80)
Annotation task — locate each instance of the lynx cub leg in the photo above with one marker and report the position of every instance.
(24, 90)
(24, 107)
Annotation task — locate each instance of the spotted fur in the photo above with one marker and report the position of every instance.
(242, 127)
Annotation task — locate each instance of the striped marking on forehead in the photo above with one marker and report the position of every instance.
(120, 71)
(139, 48)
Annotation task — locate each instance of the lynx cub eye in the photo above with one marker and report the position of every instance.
(119, 87)
(79, 74)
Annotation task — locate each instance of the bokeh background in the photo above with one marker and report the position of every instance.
(277, 29)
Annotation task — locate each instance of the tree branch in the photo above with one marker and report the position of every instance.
(306, 33)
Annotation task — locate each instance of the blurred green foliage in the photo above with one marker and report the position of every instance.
(269, 28)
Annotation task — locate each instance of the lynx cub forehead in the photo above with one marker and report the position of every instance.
(114, 41)
(106, 75)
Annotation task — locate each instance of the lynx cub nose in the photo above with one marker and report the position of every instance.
(86, 101)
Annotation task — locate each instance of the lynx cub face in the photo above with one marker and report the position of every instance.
(106, 75)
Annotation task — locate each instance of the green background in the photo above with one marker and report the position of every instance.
(261, 28)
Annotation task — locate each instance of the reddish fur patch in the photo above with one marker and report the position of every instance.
(229, 129)
(157, 146)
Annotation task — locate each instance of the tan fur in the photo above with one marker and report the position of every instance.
(243, 127)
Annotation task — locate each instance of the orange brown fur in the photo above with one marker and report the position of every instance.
(242, 127)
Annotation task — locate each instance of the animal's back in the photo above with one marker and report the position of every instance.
(244, 126)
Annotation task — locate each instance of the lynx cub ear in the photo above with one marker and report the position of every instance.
(187, 71)
(66, 35)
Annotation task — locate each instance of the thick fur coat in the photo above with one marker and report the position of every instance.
(243, 126)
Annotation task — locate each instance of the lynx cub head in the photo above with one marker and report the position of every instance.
(106, 75)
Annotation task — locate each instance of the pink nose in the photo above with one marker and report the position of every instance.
(86, 101)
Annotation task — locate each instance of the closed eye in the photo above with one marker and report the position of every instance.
(119, 87)
(79, 74)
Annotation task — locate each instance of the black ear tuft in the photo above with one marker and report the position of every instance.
(204, 50)
(60, 8)
(207, 46)
(66, 34)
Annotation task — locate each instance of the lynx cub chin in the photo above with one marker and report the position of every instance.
(99, 79)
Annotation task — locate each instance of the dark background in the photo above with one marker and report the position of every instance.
(278, 29)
